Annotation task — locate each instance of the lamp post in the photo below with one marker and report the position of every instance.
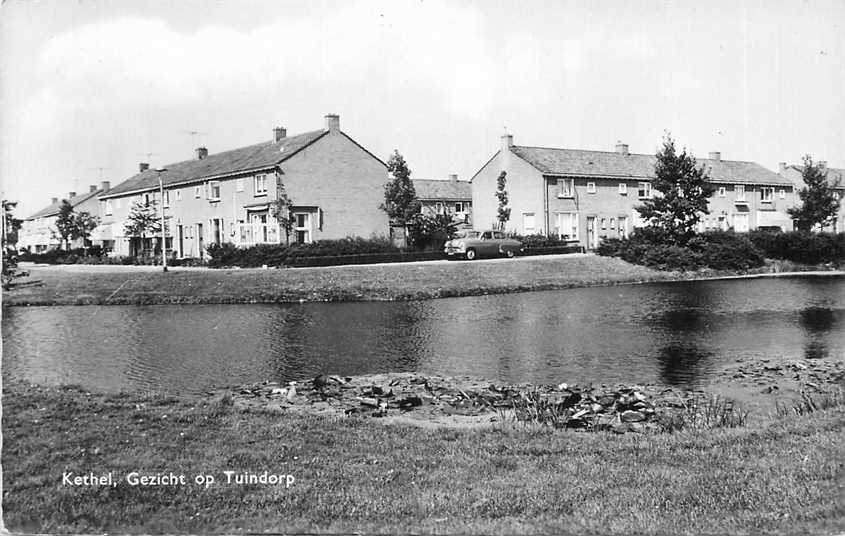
(161, 170)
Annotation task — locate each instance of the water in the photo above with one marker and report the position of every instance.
(672, 333)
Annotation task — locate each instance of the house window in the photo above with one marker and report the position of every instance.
(166, 198)
(438, 207)
(643, 190)
(722, 191)
(261, 184)
(528, 223)
(302, 227)
(567, 225)
(214, 191)
(566, 187)
(739, 192)
(239, 185)
(612, 224)
(459, 207)
(108, 207)
(178, 195)
(782, 193)
(766, 194)
(197, 191)
(603, 224)
(623, 188)
(591, 187)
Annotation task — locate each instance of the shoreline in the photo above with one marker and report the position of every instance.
(114, 285)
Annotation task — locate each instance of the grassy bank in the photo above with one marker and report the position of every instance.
(353, 475)
(119, 285)
(122, 285)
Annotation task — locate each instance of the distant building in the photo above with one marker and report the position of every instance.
(38, 232)
(835, 176)
(450, 196)
(335, 186)
(589, 195)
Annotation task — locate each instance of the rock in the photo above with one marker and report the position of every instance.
(367, 401)
(597, 408)
(410, 402)
(632, 416)
(279, 391)
(636, 427)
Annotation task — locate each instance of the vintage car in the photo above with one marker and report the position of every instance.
(472, 244)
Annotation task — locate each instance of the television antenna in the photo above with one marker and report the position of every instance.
(194, 134)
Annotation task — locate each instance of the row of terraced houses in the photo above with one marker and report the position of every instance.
(336, 186)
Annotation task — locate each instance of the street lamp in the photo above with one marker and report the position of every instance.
(161, 170)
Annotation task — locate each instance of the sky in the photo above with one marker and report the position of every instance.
(90, 88)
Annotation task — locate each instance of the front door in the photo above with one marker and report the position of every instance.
(591, 232)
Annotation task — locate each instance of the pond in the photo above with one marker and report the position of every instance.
(671, 333)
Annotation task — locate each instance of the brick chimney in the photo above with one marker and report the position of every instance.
(715, 155)
(202, 153)
(104, 186)
(822, 164)
(781, 167)
(279, 133)
(332, 122)
(54, 200)
(453, 177)
(622, 148)
(92, 188)
(143, 166)
(71, 195)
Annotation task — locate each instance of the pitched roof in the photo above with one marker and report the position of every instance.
(53, 209)
(253, 157)
(834, 176)
(429, 189)
(577, 162)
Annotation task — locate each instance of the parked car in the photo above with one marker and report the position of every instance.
(472, 244)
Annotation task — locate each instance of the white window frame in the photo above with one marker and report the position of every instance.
(782, 193)
(178, 195)
(108, 209)
(591, 187)
(722, 191)
(438, 208)
(643, 187)
(197, 192)
(239, 185)
(211, 186)
(533, 228)
(604, 224)
(739, 192)
(563, 191)
(571, 229)
(623, 188)
(612, 225)
(767, 190)
(306, 227)
(260, 183)
(459, 207)
(166, 201)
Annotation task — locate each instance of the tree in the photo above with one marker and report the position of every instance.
(11, 225)
(504, 213)
(143, 221)
(819, 201)
(280, 209)
(65, 222)
(684, 194)
(84, 223)
(425, 230)
(400, 198)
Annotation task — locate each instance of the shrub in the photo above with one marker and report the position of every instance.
(727, 250)
(799, 246)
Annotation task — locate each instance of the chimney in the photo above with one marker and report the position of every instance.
(715, 155)
(453, 177)
(54, 200)
(622, 148)
(781, 167)
(92, 188)
(202, 152)
(822, 164)
(332, 122)
(104, 186)
(143, 166)
(279, 133)
(71, 195)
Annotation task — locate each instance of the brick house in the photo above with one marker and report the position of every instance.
(445, 197)
(38, 232)
(334, 184)
(835, 176)
(589, 195)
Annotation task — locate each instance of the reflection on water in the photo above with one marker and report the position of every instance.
(676, 334)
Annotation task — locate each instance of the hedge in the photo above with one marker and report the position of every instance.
(801, 247)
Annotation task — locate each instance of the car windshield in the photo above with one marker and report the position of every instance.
(467, 234)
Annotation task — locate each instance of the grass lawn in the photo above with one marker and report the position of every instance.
(78, 284)
(782, 477)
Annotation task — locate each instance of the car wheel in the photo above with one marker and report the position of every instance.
(509, 253)
(470, 254)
